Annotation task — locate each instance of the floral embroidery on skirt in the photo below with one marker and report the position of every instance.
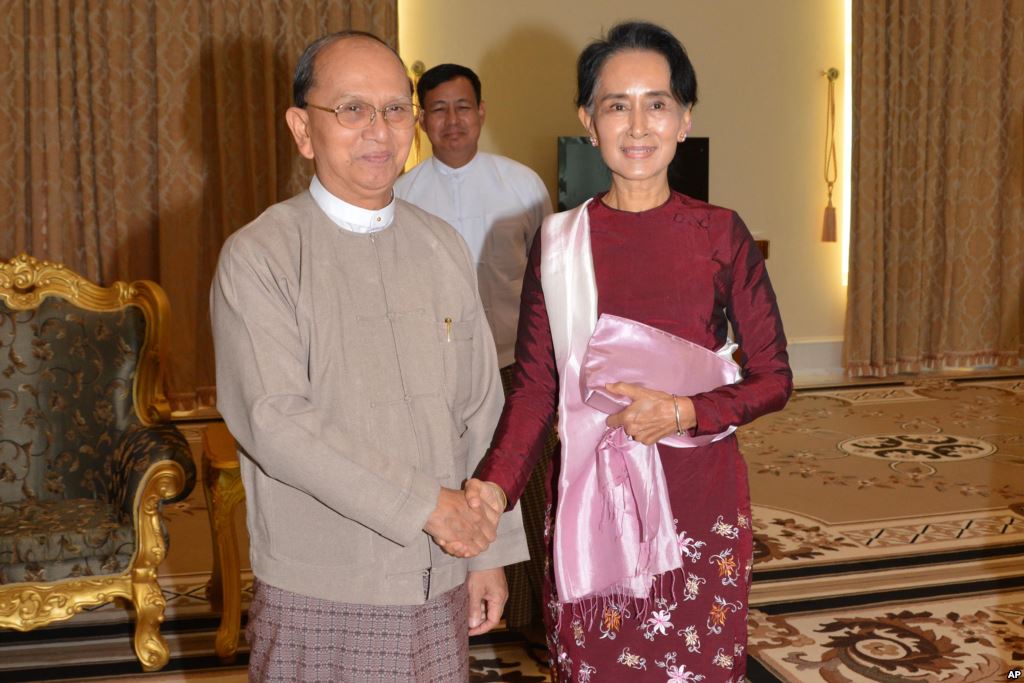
(693, 627)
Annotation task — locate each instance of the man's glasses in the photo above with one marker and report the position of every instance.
(357, 114)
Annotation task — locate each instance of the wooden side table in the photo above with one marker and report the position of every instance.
(222, 484)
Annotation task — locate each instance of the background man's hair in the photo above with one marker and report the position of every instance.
(442, 73)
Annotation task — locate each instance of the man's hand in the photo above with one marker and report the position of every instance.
(458, 529)
(488, 592)
(652, 414)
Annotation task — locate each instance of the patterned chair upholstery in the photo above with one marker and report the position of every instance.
(87, 455)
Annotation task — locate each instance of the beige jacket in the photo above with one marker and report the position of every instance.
(353, 400)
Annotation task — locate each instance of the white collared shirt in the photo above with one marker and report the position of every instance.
(496, 204)
(349, 216)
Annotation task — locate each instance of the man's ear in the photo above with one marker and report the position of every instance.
(482, 108)
(298, 123)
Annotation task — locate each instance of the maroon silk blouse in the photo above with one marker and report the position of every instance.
(685, 267)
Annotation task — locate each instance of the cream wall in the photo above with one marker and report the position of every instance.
(762, 104)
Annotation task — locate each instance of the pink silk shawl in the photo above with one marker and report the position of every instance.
(624, 350)
(613, 532)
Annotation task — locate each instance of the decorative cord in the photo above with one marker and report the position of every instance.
(828, 229)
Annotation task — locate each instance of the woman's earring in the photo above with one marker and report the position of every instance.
(593, 141)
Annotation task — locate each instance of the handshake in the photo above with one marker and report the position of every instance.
(465, 522)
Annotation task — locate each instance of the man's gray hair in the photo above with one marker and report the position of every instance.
(304, 70)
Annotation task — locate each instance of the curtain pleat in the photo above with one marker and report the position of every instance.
(937, 234)
(139, 135)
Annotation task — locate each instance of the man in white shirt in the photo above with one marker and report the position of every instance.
(496, 204)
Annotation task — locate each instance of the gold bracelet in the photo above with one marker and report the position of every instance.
(679, 427)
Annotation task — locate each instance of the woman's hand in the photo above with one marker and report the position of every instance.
(652, 414)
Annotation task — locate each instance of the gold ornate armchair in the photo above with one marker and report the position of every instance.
(87, 456)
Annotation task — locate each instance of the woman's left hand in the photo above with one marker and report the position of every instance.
(652, 414)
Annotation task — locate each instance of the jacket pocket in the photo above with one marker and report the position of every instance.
(456, 340)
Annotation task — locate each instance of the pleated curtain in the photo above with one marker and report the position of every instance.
(937, 234)
(138, 135)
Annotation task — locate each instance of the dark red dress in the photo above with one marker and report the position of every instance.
(685, 267)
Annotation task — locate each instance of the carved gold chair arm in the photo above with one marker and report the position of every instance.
(139, 449)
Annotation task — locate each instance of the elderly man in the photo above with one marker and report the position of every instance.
(496, 204)
(356, 370)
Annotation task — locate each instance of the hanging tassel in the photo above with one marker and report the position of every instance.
(828, 226)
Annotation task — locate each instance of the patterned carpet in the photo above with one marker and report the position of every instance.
(889, 542)
(964, 638)
(889, 533)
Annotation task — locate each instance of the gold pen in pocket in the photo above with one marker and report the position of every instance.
(448, 329)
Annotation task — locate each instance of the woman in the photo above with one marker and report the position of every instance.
(685, 267)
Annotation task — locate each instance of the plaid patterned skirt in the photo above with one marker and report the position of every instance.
(298, 638)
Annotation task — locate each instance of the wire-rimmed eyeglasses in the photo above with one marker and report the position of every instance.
(356, 114)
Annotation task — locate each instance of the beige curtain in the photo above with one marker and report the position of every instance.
(937, 235)
(138, 135)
